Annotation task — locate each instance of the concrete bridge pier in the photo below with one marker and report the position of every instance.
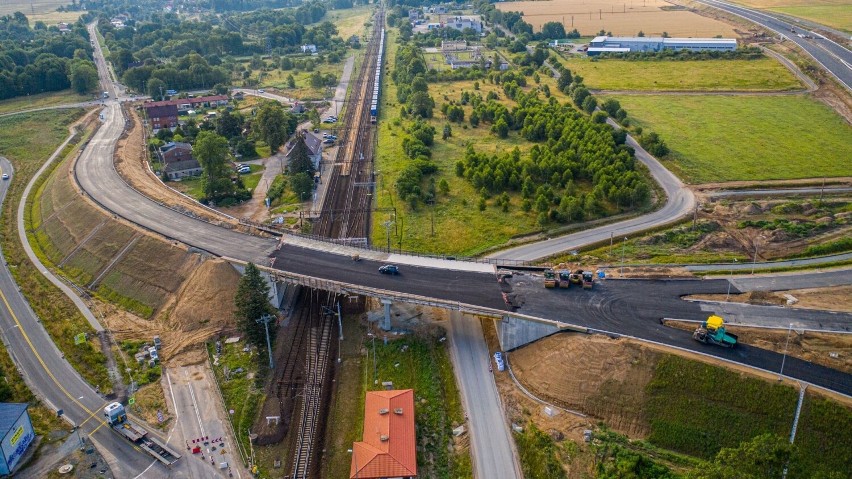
(386, 320)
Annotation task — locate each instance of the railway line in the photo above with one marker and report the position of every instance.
(303, 386)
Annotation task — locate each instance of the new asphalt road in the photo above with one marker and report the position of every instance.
(50, 377)
(833, 57)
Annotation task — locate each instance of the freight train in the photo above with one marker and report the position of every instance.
(377, 82)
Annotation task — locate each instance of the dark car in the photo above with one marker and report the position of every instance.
(389, 269)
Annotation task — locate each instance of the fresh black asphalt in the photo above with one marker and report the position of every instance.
(635, 308)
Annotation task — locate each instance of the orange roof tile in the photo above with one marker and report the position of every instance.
(388, 448)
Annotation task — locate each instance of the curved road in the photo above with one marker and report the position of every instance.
(833, 57)
(680, 201)
(54, 381)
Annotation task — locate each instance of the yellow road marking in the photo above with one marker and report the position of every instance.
(41, 361)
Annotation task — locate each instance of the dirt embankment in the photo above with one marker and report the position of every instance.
(598, 376)
(202, 307)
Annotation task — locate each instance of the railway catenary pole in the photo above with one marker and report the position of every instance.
(265, 319)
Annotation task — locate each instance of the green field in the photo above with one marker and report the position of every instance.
(837, 16)
(42, 100)
(697, 409)
(707, 75)
(729, 138)
(350, 21)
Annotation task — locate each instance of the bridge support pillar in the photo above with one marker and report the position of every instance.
(386, 320)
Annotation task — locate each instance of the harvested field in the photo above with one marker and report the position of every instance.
(834, 13)
(621, 17)
(31, 6)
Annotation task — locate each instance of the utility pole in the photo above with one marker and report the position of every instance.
(754, 262)
(729, 282)
(265, 319)
(784, 358)
(622, 255)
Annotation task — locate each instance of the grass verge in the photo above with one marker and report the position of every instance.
(721, 138)
(42, 100)
(239, 391)
(28, 140)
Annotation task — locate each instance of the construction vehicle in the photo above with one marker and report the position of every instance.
(550, 280)
(713, 331)
(564, 279)
(576, 277)
(588, 279)
(117, 419)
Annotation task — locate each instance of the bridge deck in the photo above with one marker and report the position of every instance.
(470, 287)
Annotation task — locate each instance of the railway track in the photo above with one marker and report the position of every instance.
(345, 214)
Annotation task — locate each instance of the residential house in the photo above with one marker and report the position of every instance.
(314, 144)
(388, 449)
(310, 48)
(161, 116)
(178, 160)
(183, 169)
(183, 105)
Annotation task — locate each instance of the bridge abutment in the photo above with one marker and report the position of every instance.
(515, 332)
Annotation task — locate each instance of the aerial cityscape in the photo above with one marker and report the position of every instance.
(384, 239)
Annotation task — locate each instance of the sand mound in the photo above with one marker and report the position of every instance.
(202, 307)
(206, 298)
(602, 377)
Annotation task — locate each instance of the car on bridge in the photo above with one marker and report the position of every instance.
(389, 269)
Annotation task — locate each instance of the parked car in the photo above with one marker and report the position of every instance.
(244, 170)
(261, 91)
(152, 351)
(5, 176)
(389, 269)
(328, 141)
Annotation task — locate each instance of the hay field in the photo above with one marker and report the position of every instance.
(621, 17)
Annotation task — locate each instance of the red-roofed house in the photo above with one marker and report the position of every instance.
(388, 449)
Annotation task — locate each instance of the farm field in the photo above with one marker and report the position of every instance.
(31, 6)
(621, 17)
(834, 13)
(709, 75)
(728, 138)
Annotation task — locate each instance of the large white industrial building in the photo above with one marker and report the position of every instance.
(606, 44)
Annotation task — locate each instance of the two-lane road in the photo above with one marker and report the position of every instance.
(50, 377)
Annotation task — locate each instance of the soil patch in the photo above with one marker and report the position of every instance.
(202, 308)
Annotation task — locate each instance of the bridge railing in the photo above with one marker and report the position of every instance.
(348, 242)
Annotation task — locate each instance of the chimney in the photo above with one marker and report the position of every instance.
(383, 411)
(398, 411)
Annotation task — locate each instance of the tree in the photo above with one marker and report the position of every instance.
(300, 158)
(589, 104)
(448, 131)
(156, 88)
(317, 80)
(84, 76)
(501, 128)
(274, 125)
(640, 34)
(420, 103)
(211, 150)
(252, 302)
(444, 187)
(291, 82)
(302, 185)
(553, 31)
(229, 124)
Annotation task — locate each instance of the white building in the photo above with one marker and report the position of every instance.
(460, 23)
(606, 44)
(310, 48)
